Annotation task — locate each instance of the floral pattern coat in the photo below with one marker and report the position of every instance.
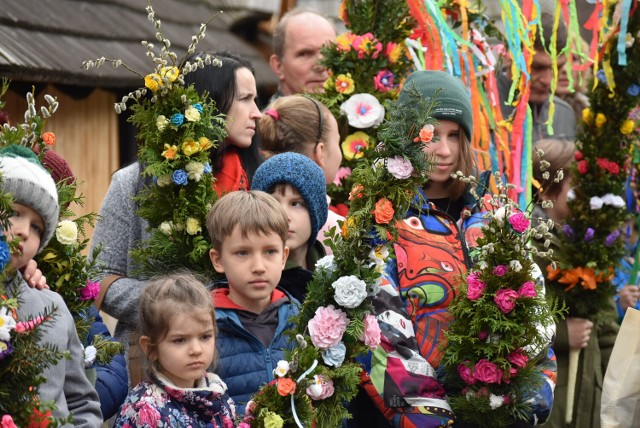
(156, 403)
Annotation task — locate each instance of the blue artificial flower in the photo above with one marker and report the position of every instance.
(177, 119)
(633, 90)
(601, 76)
(588, 235)
(198, 107)
(611, 238)
(180, 177)
(567, 230)
(5, 255)
(335, 356)
(206, 168)
(375, 240)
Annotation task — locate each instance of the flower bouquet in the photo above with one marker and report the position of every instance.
(335, 324)
(22, 358)
(177, 129)
(367, 66)
(500, 330)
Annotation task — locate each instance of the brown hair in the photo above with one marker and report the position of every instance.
(279, 33)
(252, 211)
(542, 41)
(166, 296)
(299, 124)
(560, 154)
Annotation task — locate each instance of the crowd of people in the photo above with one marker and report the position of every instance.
(267, 231)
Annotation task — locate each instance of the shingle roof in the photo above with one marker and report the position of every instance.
(47, 40)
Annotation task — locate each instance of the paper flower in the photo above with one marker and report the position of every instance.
(371, 334)
(350, 291)
(383, 211)
(343, 172)
(180, 177)
(633, 90)
(194, 170)
(354, 145)
(367, 45)
(327, 327)
(627, 127)
(5, 350)
(67, 232)
(500, 270)
(5, 254)
(363, 111)
(7, 323)
(344, 84)
(465, 374)
(273, 420)
(475, 287)
(7, 422)
(601, 119)
(488, 372)
(161, 122)
(193, 226)
(495, 401)
(327, 264)
(519, 222)
(528, 289)
(170, 151)
(393, 51)
(425, 134)
(26, 326)
(286, 386)
(518, 358)
(90, 353)
(90, 291)
(281, 369)
(49, 138)
(321, 388)
(383, 81)
(192, 114)
(505, 299)
(334, 356)
(587, 116)
(399, 167)
(344, 42)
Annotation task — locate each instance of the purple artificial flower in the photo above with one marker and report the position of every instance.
(588, 235)
(633, 90)
(5, 349)
(567, 230)
(611, 238)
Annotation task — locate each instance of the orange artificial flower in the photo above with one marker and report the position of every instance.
(383, 212)
(49, 138)
(170, 151)
(286, 386)
(425, 135)
(356, 192)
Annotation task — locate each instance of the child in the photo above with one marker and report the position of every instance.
(35, 218)
(248, 232)
(178, 327)
(298, 184)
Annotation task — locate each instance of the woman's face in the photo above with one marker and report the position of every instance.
(242, 116)
(447, 153)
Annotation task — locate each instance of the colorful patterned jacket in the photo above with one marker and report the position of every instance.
(432, 251)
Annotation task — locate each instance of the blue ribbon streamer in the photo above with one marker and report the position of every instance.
(622, 35)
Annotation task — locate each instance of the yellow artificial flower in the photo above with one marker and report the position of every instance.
(601, 119)
(354, 144)
(328, 84)
(273, 420)
(192, 114)
(627, 127)
(349, 223)
(205, 143)
(153, 81)
(587, 116)
(170, 73)
(190, 147)
(394, 52)
(344, 41)
(161, 122)
(193, 226)
(170, 151)
(345, 84)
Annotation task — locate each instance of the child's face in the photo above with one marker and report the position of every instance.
(187, 350)
(27, 225)
(299, 220)
(253, 266)
(447, 152)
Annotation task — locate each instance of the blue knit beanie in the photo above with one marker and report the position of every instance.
(453, 101)
(303, 175)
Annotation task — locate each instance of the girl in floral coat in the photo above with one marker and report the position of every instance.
(178, 328)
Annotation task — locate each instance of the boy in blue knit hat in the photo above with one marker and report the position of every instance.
(298, 184)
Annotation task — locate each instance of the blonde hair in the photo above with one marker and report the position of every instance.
(167, 296)
(560, 154)
(253, 211)
(300, 123)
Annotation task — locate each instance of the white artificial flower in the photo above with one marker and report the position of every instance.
(613, 200)
(495, 401)
(161, 122)
(350, 291)
(571, 195)
(515, 265)
(499, 215)
(90, 354)
(379, 255)
(281, 369)
(192, 114)
(193, 226)
(596, 202)
(166, 227)
(194, 170)
(327, 264)
(363, 111)
(164, 180)
(67, 232)
(7, 323)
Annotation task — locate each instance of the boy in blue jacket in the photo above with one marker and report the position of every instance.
(248, 231)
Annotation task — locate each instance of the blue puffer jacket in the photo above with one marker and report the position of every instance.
(245, 364)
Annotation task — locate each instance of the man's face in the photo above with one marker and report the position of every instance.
(542, 76)
(298, 70)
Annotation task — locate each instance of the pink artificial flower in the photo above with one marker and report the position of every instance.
(527, 289)
(399, 167)
(518, 358)
(500, 270)
(475, 287)
(519, 222)
(482, 392)
(506, 300)
(483, 335)
(321, 388)
(487, 372)
(465, 374)
(384, 81)
(327, 327)
(371, 334)
(367, 44)
(343, 172)
(25, 326)
(7, 422)
(244, 425)
(90, 291)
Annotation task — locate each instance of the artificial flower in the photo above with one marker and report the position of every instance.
(7, 422)
(90, 354)
(327, 264)
(614, 200)
(356, 192)
(383, 81)
(354, 145)
(425, 134)
(601, 119)
(161, 122)
(5, 253)
(344, 41)
(393, 51)
(495, 401)
(5, 349)
(519, 222)
(633, 90)
(399, 167)
(180, 177)
(40, 419)
(379, 255)
(7, 323)
(90, 291)
(170, 73)
(475, 286)
(170, 151)
(164, 180)
(350, 291)
(627, 127)
(383, 211)
(320, 388)
(344, 84)
(589, 234)
(193, 226)
(505, 299)
(190, 147)
(587, 116)
(166, 227)
(192, 114)
(583, 166)
(527, 289)
(465, 374)
(205, 143)
(348, 224)
(194, 170)
(177, 119)
(206, 168)
(334, 356)
(343, 172)
(518, 358)
(367, 45)
(500, 270)
(628, 40)
(611, 238)
(67, 232)
(515, 265)
(487, 372)
(327, 327)
(282, 368)
(371, 334)
(273, 420)
(363, 111)
(286, 386)
(49, 138)
(153, 81)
